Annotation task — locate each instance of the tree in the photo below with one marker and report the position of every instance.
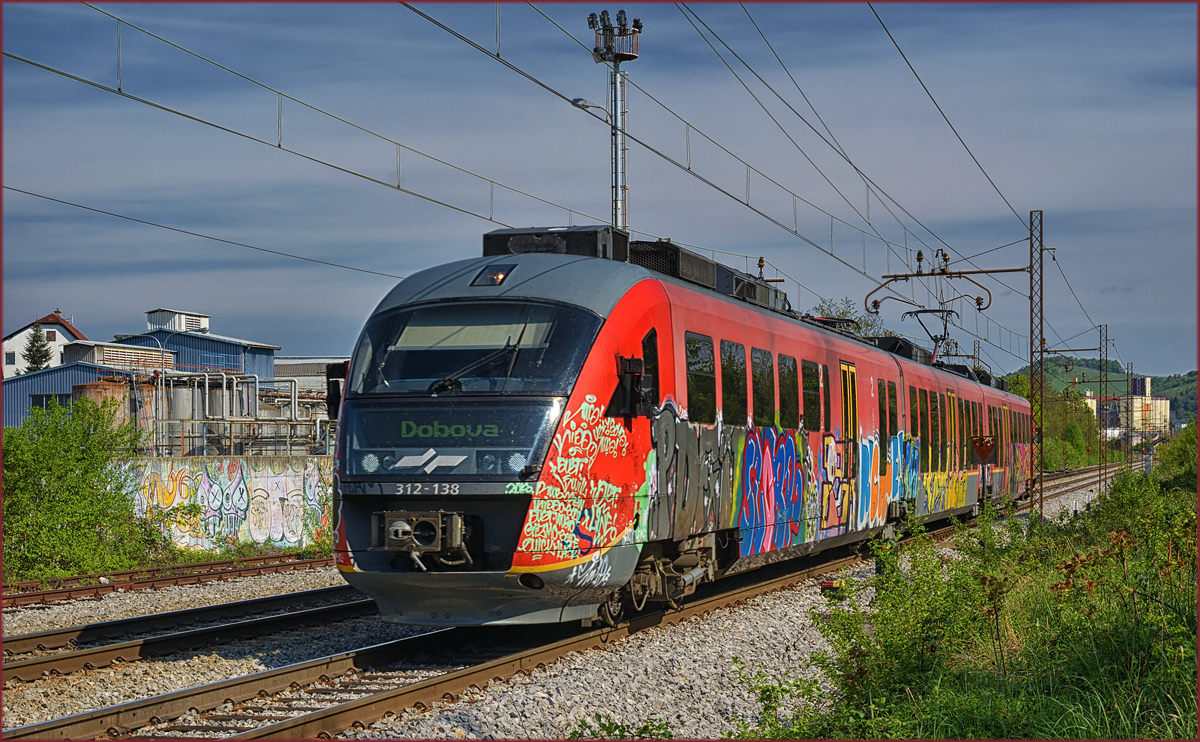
(37, 352)
(68, 507)
(868, 324)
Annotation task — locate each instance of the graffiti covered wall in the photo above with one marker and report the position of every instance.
(211, 501)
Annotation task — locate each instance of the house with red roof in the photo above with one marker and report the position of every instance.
(59, 332)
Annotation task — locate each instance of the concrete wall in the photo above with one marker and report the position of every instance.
(263, 499)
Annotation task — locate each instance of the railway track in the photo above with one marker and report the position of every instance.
(325, 696)
(95, 585)
(329, 694)
(20, 662)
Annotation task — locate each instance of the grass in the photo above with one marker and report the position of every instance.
(1084, 627)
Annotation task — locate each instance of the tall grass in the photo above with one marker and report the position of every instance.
(1083, 627)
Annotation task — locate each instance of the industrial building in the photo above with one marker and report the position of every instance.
(193, 392)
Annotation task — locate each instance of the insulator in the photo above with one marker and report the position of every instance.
(637, 24)
(592, 21)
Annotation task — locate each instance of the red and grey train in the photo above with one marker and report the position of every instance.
(575, 423)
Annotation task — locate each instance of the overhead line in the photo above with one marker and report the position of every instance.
(684, 10)
(200, 234)
(681, 166)
(944, 116)
(250, 137)
(836, 147)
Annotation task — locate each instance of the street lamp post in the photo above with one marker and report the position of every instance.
(615, 44)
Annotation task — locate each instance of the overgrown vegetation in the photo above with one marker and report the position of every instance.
(606, 728)
(1071, 436)
(1083, 627)
(67, 509)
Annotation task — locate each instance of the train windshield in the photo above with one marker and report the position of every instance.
(497, 347)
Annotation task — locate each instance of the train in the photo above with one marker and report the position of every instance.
(576, 424)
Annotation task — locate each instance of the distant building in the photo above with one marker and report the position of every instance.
(175, 344)
(1139, 411)
(309, 371)
(198, 350)
(59, 333)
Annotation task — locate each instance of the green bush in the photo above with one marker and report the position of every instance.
(1177, 460)
(67, 504)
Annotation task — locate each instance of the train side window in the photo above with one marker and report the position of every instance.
(762, 380)
(942, 423)
(701, 379)
(811, 376)
(923, 411)
(935, 438)
(964, 434)
(650, 363)
(881, 449)
(893, 417)
(789, 393)
(733, 383)
(828, 407)
(913, 417)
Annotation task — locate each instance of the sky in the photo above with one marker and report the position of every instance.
(1086, 113)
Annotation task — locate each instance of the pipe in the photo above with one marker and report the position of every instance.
(695, 574)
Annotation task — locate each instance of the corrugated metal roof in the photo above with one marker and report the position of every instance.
(178, 311)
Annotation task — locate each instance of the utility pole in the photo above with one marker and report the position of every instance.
(616, 44)
(1101, 406)
(1037, 350)
(1129, 412)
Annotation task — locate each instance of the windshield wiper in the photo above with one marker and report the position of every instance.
(452, 381)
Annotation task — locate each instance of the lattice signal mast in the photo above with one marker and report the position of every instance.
(616, 44)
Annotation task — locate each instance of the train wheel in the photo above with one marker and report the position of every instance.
(611, 610)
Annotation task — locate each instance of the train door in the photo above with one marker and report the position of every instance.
(1005, 454)
(954, 467)
(850, 427)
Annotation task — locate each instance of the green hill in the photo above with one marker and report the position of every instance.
(1180, 389)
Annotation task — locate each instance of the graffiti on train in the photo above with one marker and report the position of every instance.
(210, 502)
(577, 511)
(696, 478)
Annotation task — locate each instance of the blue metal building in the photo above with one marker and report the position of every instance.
(184, 335)
(195, 351)
(35, 388)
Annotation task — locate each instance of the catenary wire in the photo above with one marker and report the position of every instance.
(250, 137)
(836, 147)
(692, 127)
(327, 164)
(944, 116)
(672, 161)
(684, 10)
(334, 116)
(199, 234)
(167, 109)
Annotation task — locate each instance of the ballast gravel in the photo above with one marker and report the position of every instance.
(686, 676)
(113, 606)
(53, 698)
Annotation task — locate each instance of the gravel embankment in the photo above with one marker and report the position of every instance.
(52, 698)
(685, 676)
(28, 619)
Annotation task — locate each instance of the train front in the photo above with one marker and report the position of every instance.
(452, 401)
